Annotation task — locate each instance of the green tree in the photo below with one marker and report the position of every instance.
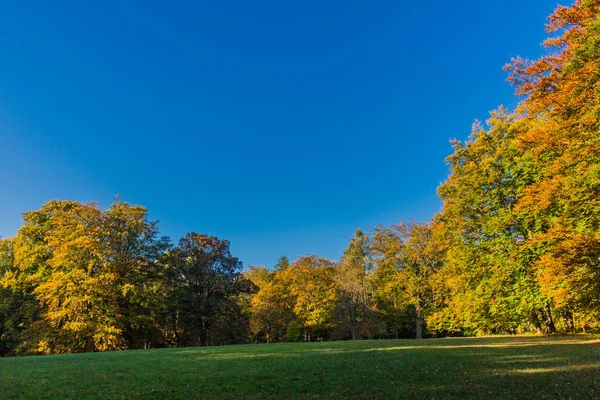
(488, 276)
(282, 264)
(204, 280)
(292, 333)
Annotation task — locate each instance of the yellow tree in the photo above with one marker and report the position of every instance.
(76, 293)
(561, 207)
(352, 276)
(310, 289)
(11, 300)
(270, 315)
(406, 256)
(91, 273)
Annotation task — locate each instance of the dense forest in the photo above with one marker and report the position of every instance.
(515, 247)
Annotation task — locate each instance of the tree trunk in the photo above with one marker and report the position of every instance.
(569, 321)
(419, 321)
(175, 334)
(549, 321)
(353, 322)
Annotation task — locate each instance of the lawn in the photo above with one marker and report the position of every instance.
(486, 368)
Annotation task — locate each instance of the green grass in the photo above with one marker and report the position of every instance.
(486, 368)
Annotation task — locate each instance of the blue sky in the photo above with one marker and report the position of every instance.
(280, 126)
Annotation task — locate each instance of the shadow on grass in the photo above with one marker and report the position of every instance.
(505, 367)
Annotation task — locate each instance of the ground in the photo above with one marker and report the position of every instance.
(534, 367)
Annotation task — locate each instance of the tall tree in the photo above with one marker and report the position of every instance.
(268, 316)
(205, 280)
(310, 290)
(282, 264)
(10, 302)
(561, 206)
(390, 298)
(90, 273)
(352, 279)
(490, 285)
(407, 256)
(132, 250)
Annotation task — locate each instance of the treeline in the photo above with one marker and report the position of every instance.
(515, 247)
(379, 289)
(78, 278)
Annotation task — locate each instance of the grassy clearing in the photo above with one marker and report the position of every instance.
(507, 367)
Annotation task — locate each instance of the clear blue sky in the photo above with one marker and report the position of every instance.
(281, 126)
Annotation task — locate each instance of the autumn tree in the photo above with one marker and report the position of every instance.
(269, 313)
(406, 257)
(304, 293)
(561, 206)
(11, 301)
(352, 275)
(421, 257)
(91, 273)
(132, 251)
(389, 296)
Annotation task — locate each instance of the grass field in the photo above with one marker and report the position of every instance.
(484, 368)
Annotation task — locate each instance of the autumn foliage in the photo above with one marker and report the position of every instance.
(522, 204)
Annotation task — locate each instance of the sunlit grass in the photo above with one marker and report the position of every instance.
(495, 367)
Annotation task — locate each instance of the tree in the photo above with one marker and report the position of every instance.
(351, 276)
(132, 251)
(407, 256)
(487, 277)
(204, 280)
(312, 289)
(271, 312)
(561, 206)
(75, 291)
(421, 258)
(10, 317)
(268, 317)
(390, 298)
(91, 274)
(282, 264)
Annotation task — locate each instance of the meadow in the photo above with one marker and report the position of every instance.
(551, 367)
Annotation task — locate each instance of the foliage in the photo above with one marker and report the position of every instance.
(520, 218)
(78, 278)
(561, 206)
(293, 332)
(203, 281)
(352, 275)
